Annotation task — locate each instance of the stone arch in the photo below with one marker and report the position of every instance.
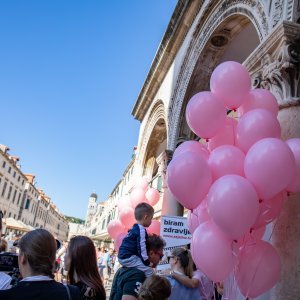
(153, 139)
(215, 31)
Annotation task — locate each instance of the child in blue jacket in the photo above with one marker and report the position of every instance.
(133, 252)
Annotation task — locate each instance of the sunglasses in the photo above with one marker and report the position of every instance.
(169, 257)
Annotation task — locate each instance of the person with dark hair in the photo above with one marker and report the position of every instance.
(107, 265)
(127, 281)
(133, 252)
(5, 279)
(36, 263)
(81, 264)
(181, 268)
(155, 288)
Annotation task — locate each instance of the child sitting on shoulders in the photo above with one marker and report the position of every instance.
(133, 252)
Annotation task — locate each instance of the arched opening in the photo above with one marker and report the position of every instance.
(234, 39)
(156, 145)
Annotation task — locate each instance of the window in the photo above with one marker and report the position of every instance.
(9, 192)
(19, 198)
(14, 174)
(27, 204)
(4, 164)
(23, 182)
(19, 177)
(4, 188)
(9, 215)
(14, 197)
(14, 216)
(9, 169)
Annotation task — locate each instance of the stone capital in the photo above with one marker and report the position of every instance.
(275, 64)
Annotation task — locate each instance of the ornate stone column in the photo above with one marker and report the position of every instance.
(170, 205)
(275, 65)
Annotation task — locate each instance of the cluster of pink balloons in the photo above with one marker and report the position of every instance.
(236, 182)
(118, 228)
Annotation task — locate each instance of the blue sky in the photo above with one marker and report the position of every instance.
(70, 73)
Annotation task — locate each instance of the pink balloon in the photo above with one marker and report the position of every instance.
(270, 167)
(202, 212)
(189, 179)
(126, 217)
(226, 136)
(198, 216)
(258, 269)
(118, 241)
(255, 125)
(226, 160)
(114, 228)
(269, 210)
(294, 145)
(137, 196)
(154, 228)
(205, 114)
(142, 183)
(251, 236)
(212, 252)
(192, 146)
(259, 98)
(231, 82)
(153, 196)
(192, 220)
(124, 202)
(233, 205)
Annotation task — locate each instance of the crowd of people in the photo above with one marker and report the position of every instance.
(79, 270)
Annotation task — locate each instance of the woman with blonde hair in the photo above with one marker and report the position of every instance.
(181, 263)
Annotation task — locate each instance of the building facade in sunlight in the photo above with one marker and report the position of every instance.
(23, 205)
(264, 35)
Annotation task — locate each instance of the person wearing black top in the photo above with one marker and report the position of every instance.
(127, 281)
(36, 263)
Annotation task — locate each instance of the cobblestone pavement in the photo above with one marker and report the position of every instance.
(108, 286)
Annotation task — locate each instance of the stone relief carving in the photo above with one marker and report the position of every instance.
(278, 12)
(281, 74)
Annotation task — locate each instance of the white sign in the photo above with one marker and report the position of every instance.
(174, 231)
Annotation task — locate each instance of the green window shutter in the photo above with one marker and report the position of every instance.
(159, 183)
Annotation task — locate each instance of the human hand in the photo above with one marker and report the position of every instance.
(220, 287)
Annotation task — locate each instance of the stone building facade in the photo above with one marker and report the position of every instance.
(21, 200)
(264, 35)
(107, 210)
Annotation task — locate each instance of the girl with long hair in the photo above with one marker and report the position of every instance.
(81, 264)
